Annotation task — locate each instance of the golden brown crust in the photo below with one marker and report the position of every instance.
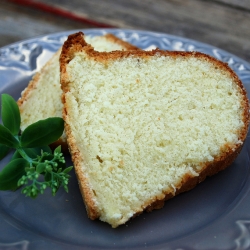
(85, 189)
(66, 56)
(76, 43)
(125, 45)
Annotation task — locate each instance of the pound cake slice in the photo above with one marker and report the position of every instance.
(42, 97)
(144, 126)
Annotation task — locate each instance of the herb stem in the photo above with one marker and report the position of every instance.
(24, 155)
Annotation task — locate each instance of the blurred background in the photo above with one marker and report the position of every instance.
(222, 23)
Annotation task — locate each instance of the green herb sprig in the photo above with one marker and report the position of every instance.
(33, 165)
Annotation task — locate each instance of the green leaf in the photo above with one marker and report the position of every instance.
(10, 114)
(4, 150)
(6, 138)
(67, 170)
(58, 149)
(43, 132)
(40, 168)
(11, 173)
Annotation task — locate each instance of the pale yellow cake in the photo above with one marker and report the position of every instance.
(145, 126)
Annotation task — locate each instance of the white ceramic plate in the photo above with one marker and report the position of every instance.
(214, 215)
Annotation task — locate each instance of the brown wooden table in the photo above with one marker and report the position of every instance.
(223, 23)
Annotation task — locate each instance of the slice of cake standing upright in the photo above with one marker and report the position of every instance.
(144, 126)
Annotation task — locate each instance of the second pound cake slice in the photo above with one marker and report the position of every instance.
(145, 126)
